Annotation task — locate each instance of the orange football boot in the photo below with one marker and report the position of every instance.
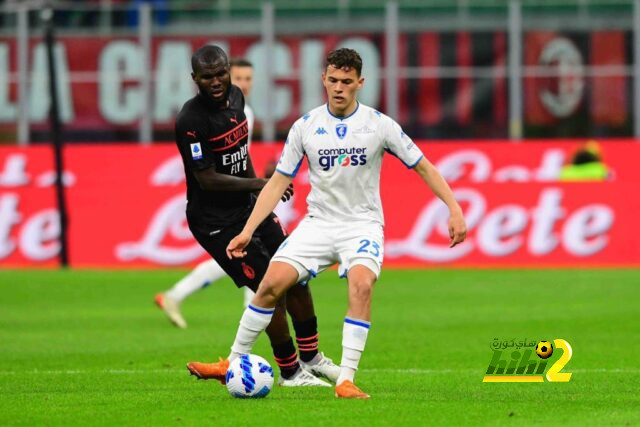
(210, 371)
(348, 390)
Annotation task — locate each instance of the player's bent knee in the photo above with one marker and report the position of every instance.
(272, 286)
(365, 270)
(361, 289)
(361, 281)
(266, 295)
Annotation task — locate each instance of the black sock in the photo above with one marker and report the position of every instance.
(307, 338)
(286, 358)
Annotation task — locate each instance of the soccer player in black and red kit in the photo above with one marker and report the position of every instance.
(211, 134)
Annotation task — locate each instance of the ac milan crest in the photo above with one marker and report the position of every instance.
(248, 271)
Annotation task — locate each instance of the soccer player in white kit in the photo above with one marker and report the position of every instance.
(209, 271)
(344, 142)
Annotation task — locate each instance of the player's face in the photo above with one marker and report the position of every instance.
(342, 85)
(243, 78)
(213, 80)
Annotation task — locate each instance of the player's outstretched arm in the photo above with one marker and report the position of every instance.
(210, 180)
(269, 197)
(437, 184)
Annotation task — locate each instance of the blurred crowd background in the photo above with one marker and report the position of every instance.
(482, 69)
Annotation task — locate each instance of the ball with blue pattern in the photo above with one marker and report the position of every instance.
(249, 376)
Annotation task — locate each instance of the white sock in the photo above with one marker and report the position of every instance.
(248, 296)
(253, 321)
(354, 337)
(204, 273)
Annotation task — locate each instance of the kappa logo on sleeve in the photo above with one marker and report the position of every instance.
(196, 151)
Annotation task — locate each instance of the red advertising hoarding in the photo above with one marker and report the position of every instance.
(126, 207)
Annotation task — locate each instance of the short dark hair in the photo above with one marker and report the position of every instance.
(207, 54)
(239, 62)
(344, 58)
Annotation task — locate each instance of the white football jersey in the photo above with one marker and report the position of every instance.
(345, 155)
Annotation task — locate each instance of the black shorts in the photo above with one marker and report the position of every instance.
(247, 271)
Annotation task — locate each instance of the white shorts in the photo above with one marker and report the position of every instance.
(317, 244)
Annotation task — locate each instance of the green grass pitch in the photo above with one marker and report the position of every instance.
(90, 348)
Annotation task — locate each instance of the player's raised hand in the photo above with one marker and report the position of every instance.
(235, 248)
(457, 230)
(287, 193)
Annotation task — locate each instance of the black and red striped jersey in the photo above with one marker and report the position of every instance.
(209, 135)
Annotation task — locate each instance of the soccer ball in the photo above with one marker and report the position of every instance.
(249, 376)
(544, 349)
